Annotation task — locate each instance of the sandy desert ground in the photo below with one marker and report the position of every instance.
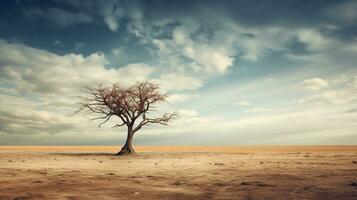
(265, 172)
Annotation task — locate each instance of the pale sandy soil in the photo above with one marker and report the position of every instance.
(284, 172)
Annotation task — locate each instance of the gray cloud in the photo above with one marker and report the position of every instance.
(21, 116)
(345, 11)
(32, 123)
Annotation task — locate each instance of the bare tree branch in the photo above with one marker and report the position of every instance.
(129, 104)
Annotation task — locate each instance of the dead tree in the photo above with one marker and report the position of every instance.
(132, 105)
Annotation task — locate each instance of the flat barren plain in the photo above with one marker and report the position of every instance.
(243, 172)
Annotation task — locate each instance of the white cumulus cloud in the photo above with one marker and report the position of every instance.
(35, 70)
(242, 103)
(314, 84)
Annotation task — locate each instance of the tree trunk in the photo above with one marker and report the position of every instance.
(128, 147)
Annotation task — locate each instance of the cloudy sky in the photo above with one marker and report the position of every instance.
(238, 72)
